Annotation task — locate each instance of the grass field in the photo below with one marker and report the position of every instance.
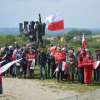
(66, 85)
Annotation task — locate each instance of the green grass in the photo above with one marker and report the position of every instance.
(65, 85)
(68, 86)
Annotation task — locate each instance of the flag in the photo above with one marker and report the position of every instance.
(55, 23)
(8, 65)
(96, 64)
(83, 42)
(2, 61)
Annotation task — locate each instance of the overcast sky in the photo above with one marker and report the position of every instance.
(76, 13)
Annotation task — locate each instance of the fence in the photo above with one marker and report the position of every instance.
(93, 95)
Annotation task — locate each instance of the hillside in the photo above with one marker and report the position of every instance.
(15, 31)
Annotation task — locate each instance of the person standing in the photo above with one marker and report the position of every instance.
(49, 65)
(42, 59)
(30, 56)
(1, 89)
(59, 58)
(72, 64)
(88, 66)
(24, 64)
(80, 68)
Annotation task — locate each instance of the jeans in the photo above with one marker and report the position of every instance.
(81, 75)
(42, 71)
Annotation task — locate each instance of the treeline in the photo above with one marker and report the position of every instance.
(11, 39)
(70, 41)
(92, 43)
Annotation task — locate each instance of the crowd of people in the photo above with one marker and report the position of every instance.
(55, 62)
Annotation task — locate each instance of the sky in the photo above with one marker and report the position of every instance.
(76, 13)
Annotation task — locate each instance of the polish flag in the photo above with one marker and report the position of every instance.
(55, 23)
(83, 42)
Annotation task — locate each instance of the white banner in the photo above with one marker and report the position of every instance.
(2, 61)
(96, 64)
(8, 65)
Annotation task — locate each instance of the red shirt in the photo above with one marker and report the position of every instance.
(30, 56)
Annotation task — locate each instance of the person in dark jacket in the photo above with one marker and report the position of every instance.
(24, 64)
(49, 65)
(42, 59)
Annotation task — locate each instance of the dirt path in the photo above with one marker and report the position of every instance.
(21, 89)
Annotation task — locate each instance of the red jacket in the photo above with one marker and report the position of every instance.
(87, 62)
(59, 57)
(30, 56)
(80, 64)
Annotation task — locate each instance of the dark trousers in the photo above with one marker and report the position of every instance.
(49, 70)
(42, 71)
(60, 75)
(1, 89)
(14, 70)
(24, 70)
(53, 67)
(97, 74)
(60, 72)
(81, 75)
(31, 73)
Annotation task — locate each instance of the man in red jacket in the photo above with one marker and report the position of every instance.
(88, 66)
(59, 58)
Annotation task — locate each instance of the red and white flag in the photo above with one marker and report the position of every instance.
(55, 23)
(7, 66)
(84, 45)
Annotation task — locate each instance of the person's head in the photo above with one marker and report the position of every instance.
(51, 45)
(63, 49)
(70, 52)
(79, 49)
(41, 50)
(84, 53)
(58, 49)
(80, 57)
(29, 50)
